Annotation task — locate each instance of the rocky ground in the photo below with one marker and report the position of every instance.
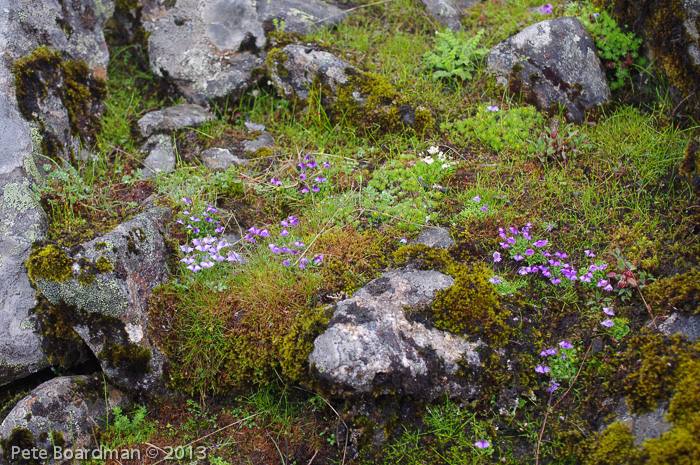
(296, 232)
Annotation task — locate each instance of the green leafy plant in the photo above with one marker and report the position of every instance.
(559, 145)
(455, 58)
(125, 430)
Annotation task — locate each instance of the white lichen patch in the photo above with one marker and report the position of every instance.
(17, 197)
(135, 332)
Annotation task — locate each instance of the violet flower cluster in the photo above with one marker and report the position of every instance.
(521, 246)
(562, 352)
(200, 224)
(310, 176)
(208, 251)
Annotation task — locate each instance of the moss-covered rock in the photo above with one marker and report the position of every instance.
(680, 292)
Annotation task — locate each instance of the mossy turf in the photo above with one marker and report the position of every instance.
(622, 189)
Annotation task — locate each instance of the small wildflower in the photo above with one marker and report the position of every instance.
(180, 222)
(301, 166)
(316, 189)
(186, 201)
(433, 150)
(286, 263)
(212, 209)
(493, 108)
(502, 233)
(284, 223)
(325, 164)
(284, 232)
(505, 245)
(529, 252)
(276, 182)
(516, 319)
(249, 238)
(549, 227)
(303, 262)
(495, 280)
(588, 253)
(541, 369)
(553, 386)
(293, 220)
(556, 281)
(543, 353)
(312, 164)
(513, 230)
(565, 345)
(511, 240)
(318, 259)
(219, 230)
(602, 283)
(546, 9)
(608, 288)
(207, 264)
(195, 230)
(607, 323)
(527, 235)
(482, 444)
(595, 15)
(546, 254)
(194, 267)
(540, 243)
(274, 248)
(552, 351)
(186, 248)
(320, 179)
(496, 257)
(298, 244)
(302, 176)
(560, 255)
(404, 240)
(518, 257)
(484, 209)
(608, 311)
(477, 199)
(305, 190)
(194, 219)
(187, 260)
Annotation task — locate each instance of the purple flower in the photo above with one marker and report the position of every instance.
(249, 238)
(207, 264)
(514, 230)
(552, 351)
(482, 444)
(549, 227)
(543, 353)
(502, 233)
(276, 182)
(565, 345)
(556, 281)
(540, 243)
(187, 260)
(274, 248)
(195, 230)
(284, 249)
(320, 179)
(302, 176)
(325, 164)
(546, 9)
(546, 254)
(595, 15)
(529, 252)
(495, 280)
(219, 230)
(404, 240)
(305, 190)
(608, 311)
(180, 222)
(586, 278)
(186, 201)
(284, 232)
(211, 209)
(318, 259)
(316, 189)
(516, 319)
(186, 248)
(607, 323)
(284, 223)
(194, 267)
(602, 283)
(510, 240)
(484, 208)
(588, 253)
(286, 263)
(303, 262)
(234, 257)
(477, 199)
(608, 288)
(553, 386)
(496, 257)
(301, 166)
(561, 255)
(505, 245)
(541, 369)
(194, 219)
(313, 164)
(518, 257)
(527, 235)
(298, 244)
(293, 220)
(493, 108)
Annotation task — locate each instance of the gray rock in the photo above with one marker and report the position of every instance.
(104, 284)
(75, 30)
(208, 48)
(650, 425)
(370, 346)
(161, 155)
(448, 13)
(557, 61)
(435, 237)
(254, 126)
(298, 67)
(70, 408)
(682, 323)
(220, 159)
(173, 118)
(264, 140)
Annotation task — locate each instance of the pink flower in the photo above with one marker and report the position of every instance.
(607, 323)
(482, 444)
(496, 257)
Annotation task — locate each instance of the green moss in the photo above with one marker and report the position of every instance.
(424, 121)
(57, 439)
(690, 166)
(45, 70)
(680, 292)
(262, 152)
(679, 446)
(686, 399)
(50, 262)
(615, 446)
(299, 342)
(370, 102)
(276, 58)
(22, 438)
(129, 356)
(63, 347)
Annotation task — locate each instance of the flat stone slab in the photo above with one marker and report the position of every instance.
(435, 237)
(173, 118)
(161, 155)
(220, 159)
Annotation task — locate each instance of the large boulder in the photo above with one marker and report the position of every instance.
(102, 287)
(210, 48)
(349, 95)
(371, 346)
(54, 62)
(448, 13)
(61, 413)
(555, 63)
